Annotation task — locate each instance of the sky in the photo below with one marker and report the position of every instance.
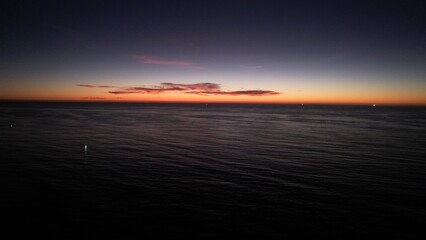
(337, 52)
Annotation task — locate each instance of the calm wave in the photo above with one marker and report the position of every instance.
(213, 170)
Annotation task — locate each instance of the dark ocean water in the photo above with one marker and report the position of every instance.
(201, 171)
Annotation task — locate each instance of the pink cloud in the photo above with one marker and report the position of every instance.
(170, 87)
(204, 89)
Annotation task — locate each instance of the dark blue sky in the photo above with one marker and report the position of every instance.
(275, 45)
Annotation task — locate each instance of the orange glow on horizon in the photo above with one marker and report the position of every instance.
(191, 98)
(316, 96)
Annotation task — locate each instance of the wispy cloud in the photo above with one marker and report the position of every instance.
(123, 92)
(170, 87)
(160, 61)
(195, 86)
(159, 89)
(239, 93)
(92, 98)
(204, 89)
(95, 86)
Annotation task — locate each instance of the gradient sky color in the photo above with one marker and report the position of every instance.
(359, 52)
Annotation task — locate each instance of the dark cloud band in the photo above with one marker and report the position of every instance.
(204, 89)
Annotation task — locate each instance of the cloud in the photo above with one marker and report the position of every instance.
(159, 89)
(238, 93)
(171, 87)
(94, 86)
(123, 92)
(92, 98)
(203, 89)
(196, 86)
(159, 61)
(147, 90)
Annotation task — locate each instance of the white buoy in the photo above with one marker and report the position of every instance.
(85, 148)
(11, 125)
(374, 105)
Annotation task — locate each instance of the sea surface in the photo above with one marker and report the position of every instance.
(212, 171)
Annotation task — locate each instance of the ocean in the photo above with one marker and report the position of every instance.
(212, 170)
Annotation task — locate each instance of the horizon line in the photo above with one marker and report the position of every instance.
(217, 102)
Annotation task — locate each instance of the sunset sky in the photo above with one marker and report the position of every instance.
(362, 52)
